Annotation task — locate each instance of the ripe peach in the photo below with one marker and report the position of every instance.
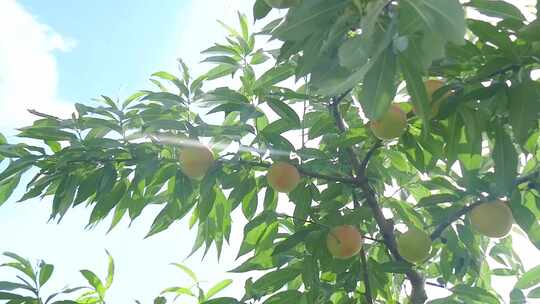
(344, 241)
(432, 85)
(283, 177)
(414, 245)
(391, 125)
(492, 219)
(195, 161)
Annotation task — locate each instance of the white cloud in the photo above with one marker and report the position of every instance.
(28, 72)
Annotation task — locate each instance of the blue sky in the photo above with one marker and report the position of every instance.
(54, 55)
(118, 43)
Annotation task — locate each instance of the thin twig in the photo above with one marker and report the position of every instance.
(304, 220)
(370, 153)
(452, 218)
(458, 214)
(365, 273)
(322, 225)
(436, 285)
(512, 67)
(526, 178)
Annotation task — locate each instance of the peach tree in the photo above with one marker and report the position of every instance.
(377, 149)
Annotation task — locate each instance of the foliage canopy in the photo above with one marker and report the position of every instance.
(338, 65)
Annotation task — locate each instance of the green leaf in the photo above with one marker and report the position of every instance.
(395, 267)
(187, 271)
(270, 199)
(526, 219)
(354, 52)
(416, 88)
(467, 293)
(94, 281)
(436, 199)
(46, 133)
(45, 272)
(341, 85)
(87, 186)
(250, 203)
(531, 32)
(11, 286)
(258, 57)
(244, 26)
(506, 161)
(107, 201)
(284, 111)
(273, 281)
(110, 271)
(445, 18)
(279, 126)
(489, 33)
(221, 71)
(287, 296)
(222, 59)
(524, 109)
(166, 217)
(263, 260)
(206, 203)
(7, 187)
(178, 291)
(18, 166)
(379, 88)
(255, 230)
(261, 9)
(291, 241)
(446, 300)
(224, 95)
(221, 49)
(22, 264)
(224, 300)
(529, 278)
(535, 293)
(217, 288)
(304, 20)
(160, 300)
(12, 296)
(273, 76)
(496, 8)
(168, 99)
(517, 297)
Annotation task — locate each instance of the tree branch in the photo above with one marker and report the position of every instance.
(345, 180)
(418, 294)
(526, 178)
(461, 212)
(452, 218)
(368, 295)
(512, 67)
(370, 153)
(436, 285)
